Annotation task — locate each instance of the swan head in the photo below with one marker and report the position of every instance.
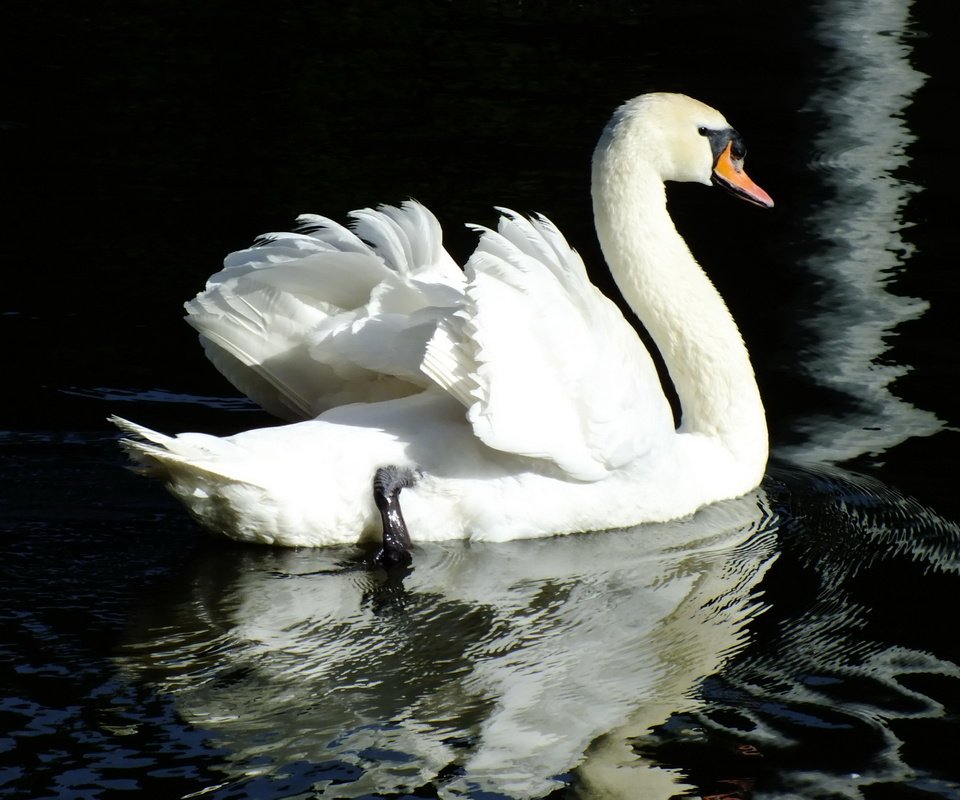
(683, 140)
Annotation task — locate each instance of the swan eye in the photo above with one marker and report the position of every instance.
(703, 130)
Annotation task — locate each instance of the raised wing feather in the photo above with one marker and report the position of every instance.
(308, 320)
(545, 364)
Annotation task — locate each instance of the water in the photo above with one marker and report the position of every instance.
(795, 643)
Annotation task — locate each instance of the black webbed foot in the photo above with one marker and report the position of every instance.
(387, 483)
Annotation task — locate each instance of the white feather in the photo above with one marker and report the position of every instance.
(307, 321)
(538, 350)
(515, 389)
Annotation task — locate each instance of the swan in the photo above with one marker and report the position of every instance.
(505, 400)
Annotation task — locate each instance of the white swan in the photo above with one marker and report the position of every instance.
(508, 400)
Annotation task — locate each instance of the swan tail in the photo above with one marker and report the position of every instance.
(207, 476)
(163, 456)
(326, 315)
(196, 467)
(142, 435)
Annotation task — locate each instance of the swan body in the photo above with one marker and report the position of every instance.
(517, 394)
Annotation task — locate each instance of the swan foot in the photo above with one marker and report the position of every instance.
(387, 483)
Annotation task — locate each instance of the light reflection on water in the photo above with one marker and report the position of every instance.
(114, 395)
(597, 661)
(848, 687)
(518, 668)
(490, 667)
(863, 145)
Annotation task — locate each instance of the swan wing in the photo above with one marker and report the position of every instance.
(545, 364)
(327, 315)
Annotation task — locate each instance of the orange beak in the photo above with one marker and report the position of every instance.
(728, 173)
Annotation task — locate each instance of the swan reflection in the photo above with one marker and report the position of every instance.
(849, 670)
(488, 668)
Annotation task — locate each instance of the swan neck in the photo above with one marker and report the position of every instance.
(678, 305)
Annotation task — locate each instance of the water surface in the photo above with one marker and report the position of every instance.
(794, 643)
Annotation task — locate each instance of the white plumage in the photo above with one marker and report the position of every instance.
(517, 392)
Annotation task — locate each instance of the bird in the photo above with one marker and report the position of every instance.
(505, 399)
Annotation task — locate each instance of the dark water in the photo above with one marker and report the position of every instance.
(797, 643)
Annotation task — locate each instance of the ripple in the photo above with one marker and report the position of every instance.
(832, 677)
(468, 668)
(116, 395)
